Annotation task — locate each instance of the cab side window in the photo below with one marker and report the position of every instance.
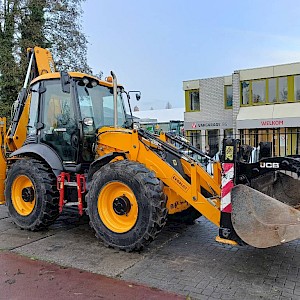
(33, 110)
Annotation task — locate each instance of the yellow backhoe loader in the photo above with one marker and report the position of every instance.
(71, 142)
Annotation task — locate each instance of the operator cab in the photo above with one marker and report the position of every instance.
(65, 114)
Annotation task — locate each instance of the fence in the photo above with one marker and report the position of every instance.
(283, 141)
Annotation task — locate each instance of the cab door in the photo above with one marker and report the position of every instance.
(60, 129)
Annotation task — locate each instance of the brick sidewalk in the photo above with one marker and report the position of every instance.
(196, 266)
(183, 260)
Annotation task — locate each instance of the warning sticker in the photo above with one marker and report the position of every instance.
(229, 153)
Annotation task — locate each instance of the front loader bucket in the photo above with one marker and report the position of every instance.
(280, 186)
(262, 221)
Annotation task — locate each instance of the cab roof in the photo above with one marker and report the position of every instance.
(56, 75)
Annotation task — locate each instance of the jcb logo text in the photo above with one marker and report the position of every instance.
(269, 165)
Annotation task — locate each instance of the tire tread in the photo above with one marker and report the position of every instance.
(154, 191)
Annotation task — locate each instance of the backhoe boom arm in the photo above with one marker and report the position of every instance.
(40, 62)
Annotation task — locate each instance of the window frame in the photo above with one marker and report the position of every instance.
(294, 94)
(251, 92)
(188, 103)
(267, 91)
(279, 100)
(225, 96)
(290, 91)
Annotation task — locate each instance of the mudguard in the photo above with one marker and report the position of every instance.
(103, 160)
(43, 151)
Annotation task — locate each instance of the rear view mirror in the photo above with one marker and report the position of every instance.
(137, 95)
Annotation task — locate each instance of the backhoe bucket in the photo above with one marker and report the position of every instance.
(262, 221)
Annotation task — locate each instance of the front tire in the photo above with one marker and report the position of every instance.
(31, 194)
(126, 205)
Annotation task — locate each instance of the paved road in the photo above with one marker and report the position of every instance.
(22, 279)
(184, 260)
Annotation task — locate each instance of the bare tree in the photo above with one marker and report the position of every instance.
(168, 105)
(55, 25)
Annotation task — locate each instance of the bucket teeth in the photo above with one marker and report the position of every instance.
(262, 221)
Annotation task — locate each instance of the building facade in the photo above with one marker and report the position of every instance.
(255, 105)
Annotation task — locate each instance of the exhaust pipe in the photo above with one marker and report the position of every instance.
(115, 93)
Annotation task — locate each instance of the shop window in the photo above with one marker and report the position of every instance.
(284, 141)
(283, 88)
(259, 91)
(194, 100)
(272, 90)
(246, 136)
(245, 88)
(228, 96)
(212, 141)
(194, 136)
(228, 133)
(297, 87)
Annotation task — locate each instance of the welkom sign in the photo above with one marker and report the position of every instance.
(269, 116)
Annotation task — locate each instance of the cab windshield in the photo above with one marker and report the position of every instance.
(97, 102)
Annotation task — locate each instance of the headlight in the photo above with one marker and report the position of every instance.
(136, 125)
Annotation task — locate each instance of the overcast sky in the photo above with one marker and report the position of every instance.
(154, 45)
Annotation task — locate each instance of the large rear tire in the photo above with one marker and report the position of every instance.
(31, 194)
(126, 205)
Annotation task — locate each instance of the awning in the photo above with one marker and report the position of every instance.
(269, 116)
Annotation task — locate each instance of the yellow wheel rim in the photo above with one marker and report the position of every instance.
(22, 193)
(117, 207)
